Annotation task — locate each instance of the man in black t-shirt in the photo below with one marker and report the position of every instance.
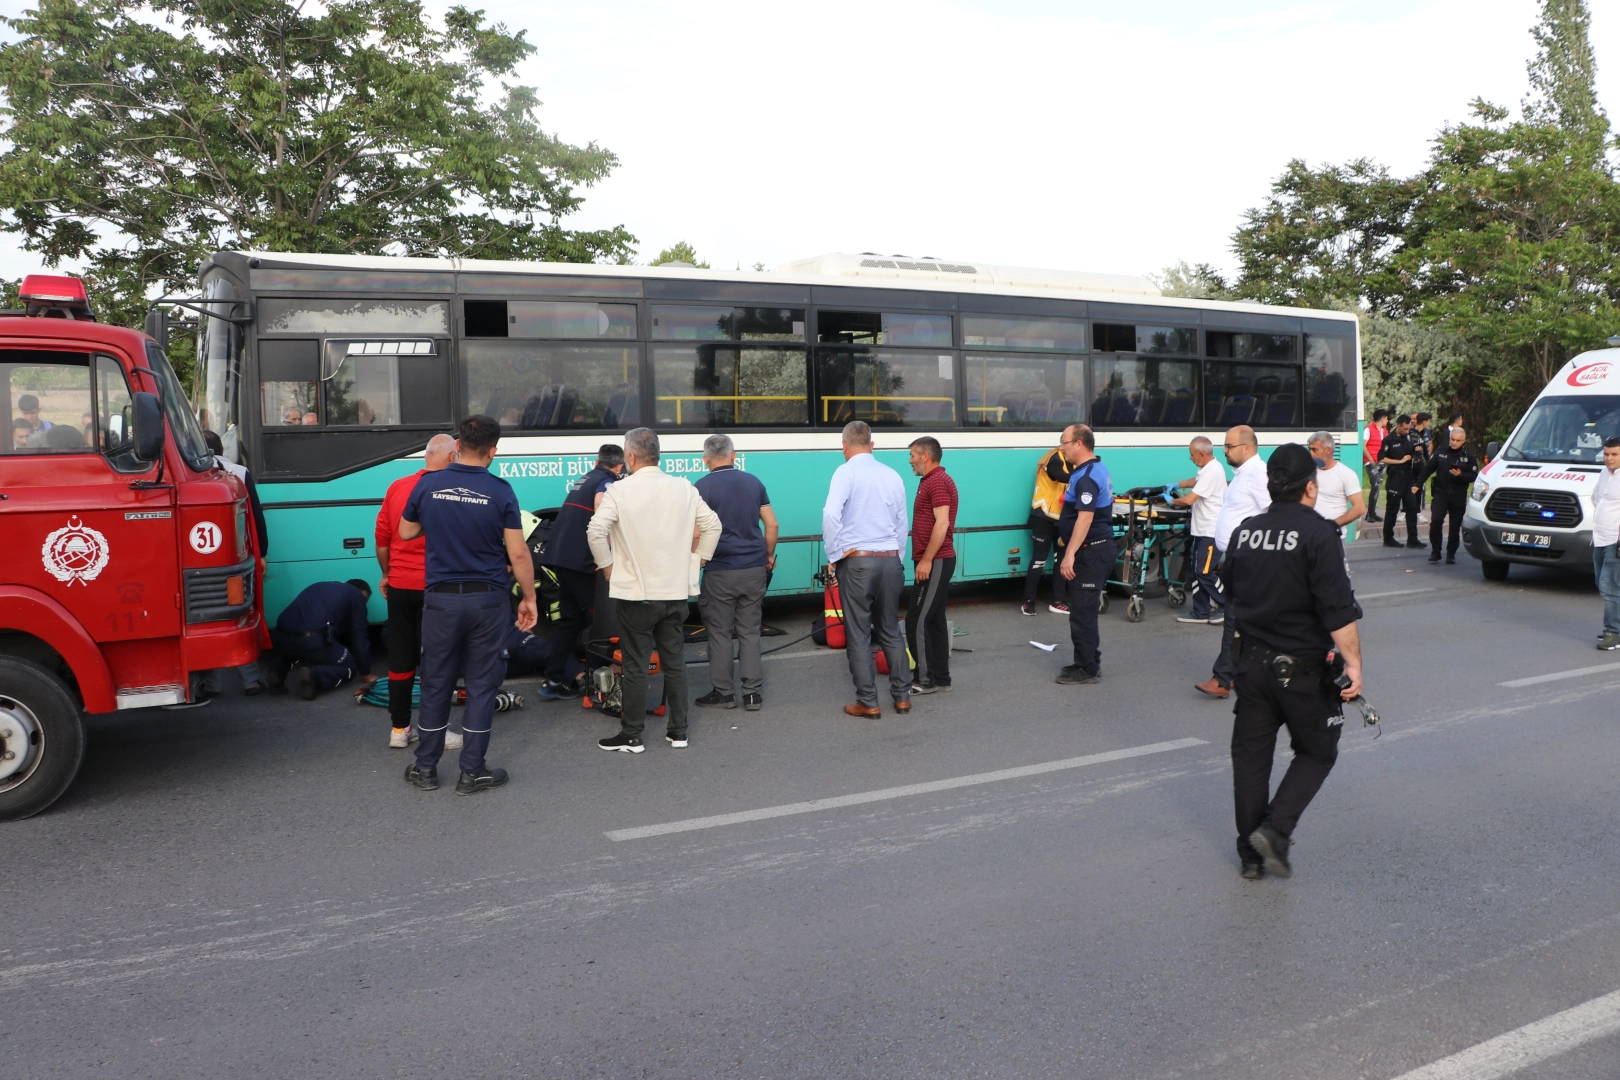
(568, 555)
(470, 519)
(1398, 455)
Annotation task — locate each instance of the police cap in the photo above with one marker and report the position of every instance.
(1288, 470)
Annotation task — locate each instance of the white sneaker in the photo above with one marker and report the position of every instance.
(401, 737)
(452, 740)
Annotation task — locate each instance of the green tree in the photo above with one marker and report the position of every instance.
(680, 252)
(1508, 241)
(142, 136)
(1200, 282)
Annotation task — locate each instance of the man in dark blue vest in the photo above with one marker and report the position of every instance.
(568, 554)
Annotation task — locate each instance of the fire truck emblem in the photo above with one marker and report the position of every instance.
(75, 553)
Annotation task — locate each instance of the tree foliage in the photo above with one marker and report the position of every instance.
(1508, 241)
(679, 252)
(142, 136)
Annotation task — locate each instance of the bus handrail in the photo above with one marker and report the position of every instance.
(734, 398)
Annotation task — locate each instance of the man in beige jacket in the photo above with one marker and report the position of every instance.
(649, 537)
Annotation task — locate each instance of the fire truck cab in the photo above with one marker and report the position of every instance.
(128, 563)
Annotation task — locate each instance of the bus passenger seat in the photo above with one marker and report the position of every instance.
(1102, 407)
(1178, 408)
(1066, 411)
(1235, 410)
(1038, 409)
(1280, 411)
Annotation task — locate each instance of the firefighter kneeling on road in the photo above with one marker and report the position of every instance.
(1290, 594)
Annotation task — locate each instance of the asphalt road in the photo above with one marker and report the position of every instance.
(250, 889)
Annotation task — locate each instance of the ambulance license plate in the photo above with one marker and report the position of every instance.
(1519, 539)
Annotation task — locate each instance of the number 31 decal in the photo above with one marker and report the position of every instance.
(206, 538)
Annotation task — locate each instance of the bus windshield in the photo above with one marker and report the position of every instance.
(1565, 429)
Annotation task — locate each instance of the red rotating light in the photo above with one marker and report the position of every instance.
(53, 289)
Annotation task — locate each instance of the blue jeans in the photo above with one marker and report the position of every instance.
(462, 637)
(1606, 567)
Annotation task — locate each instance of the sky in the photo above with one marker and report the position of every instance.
(1084, 135)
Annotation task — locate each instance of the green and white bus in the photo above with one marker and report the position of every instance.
(326, 375)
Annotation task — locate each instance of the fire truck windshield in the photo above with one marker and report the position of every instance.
(188, 436)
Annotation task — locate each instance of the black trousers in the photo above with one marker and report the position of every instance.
(926, 632)
(1449, 504)
(1400, 498)
(404, 651)
(1091, 566)
(1043, 542)
(1314, 719)
(576, 598)
(331, 661)
(645, 625)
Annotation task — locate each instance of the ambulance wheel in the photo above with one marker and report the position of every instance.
(1494, 570)
(1134, 610)
(1102, 603)
(1175, 597)
(41, 735)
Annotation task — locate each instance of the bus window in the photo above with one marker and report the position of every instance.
(376, 383)
(1111, 337)
(1260, 395)
(682, 323)
(886, 389)
(288, 374)
(1023, 332)
(335, 316)
(1329, 379)
(530, 386)
(1283, 347)
(1141, 391)
(547, 319)
(219, 350)
(1023, 391)
(1167, 340)
(730, 386)
(883, 328)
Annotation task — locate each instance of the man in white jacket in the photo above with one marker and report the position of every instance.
(649, 537)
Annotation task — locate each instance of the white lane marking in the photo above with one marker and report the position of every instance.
(813, 805)
(1557, 675)
(1397, 592)
(1525, 1046)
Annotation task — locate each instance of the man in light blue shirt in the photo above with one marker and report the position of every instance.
(861, 528)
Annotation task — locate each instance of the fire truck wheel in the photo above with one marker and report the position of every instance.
(41, 735)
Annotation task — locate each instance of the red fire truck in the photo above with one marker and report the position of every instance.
(127, 562)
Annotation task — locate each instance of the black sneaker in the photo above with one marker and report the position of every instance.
(273, 683)
(1251, 866)
(304, 684)
(426, 779)
(1029, 608)
(1074, 674)
(1392, 543)
(752, 702)
(255, 690)
(473, 783)
(714, 698)
(927, 688)
(677, 741)
(1434, 556)
(1416, 545)
(624, 744)
(1451, 560)
(1272, 847)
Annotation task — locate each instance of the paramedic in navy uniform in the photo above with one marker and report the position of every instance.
(1293, 605)
(470, 518)
(1088, 523)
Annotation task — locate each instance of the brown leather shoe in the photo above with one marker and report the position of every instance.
(1213, 688)
(902, 707)
(863, 712)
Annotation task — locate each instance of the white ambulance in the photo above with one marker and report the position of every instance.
(1533, 503)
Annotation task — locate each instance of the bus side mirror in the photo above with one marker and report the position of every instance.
(157, 327)
(148, 425)
(1490, 450)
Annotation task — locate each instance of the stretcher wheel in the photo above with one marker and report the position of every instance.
(1175, 597)
(1135, 609)
(1102, 603)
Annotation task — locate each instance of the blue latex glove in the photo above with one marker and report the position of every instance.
(1172, 492)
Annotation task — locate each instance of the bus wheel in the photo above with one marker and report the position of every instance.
(1494, 570)
(41, 735)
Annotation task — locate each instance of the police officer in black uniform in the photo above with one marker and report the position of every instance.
(1290, 595)
(1399, 455)
(1087, 523)
(1453, 467)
